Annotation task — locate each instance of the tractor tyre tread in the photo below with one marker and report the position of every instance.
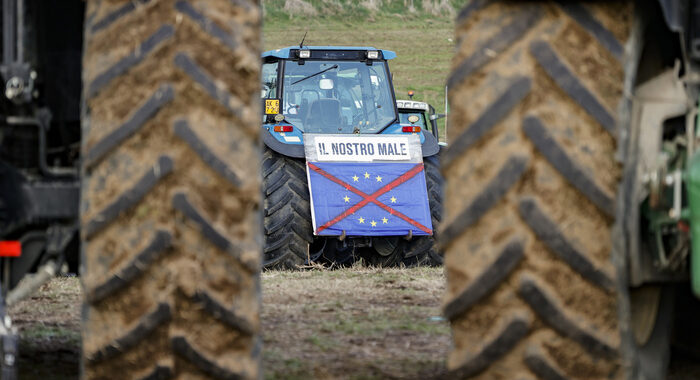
(288, 228)
(424, 250)
(530, 183)
(167, 204)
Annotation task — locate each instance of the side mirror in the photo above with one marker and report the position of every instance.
(437, 116)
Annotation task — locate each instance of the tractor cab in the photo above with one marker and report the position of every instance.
(327, 90)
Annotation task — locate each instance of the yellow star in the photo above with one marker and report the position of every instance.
(361, 220)
(346, 198)
(366, 175)
(373, 223)
(379, 179)
(393, 200)
(385, 220)
(355, 178)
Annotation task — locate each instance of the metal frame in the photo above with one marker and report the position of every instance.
(41, 201)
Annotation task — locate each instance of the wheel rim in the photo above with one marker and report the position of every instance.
(644, 304)
(316, 249)
(386, 246)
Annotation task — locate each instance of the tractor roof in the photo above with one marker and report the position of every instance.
(412, 105)
(284, 52)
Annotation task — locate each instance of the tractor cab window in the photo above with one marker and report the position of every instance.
(337, 96)
(269, 80)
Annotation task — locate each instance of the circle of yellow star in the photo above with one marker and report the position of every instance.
(355, 178)
(385, 220)
(366, 175)
(373, 223)
(393, 199)
(361, 220)
(346, 198)
(379, 179)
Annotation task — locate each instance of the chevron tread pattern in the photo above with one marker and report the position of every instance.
(152, 180)
(528, 206)
(287, 220)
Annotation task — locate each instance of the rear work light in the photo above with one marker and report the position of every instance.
(283, 128)
(412, 129)
(10, 248)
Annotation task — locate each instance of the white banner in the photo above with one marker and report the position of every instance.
(362, 148)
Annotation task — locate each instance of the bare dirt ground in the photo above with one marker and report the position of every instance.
(354, 323)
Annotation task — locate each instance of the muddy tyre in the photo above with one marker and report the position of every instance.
(170, 197)
(287, 210)
(424, 250)
(531, 182)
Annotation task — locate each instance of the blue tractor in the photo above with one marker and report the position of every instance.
(331, 90)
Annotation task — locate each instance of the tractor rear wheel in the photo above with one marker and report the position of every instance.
(170, 196)
(424, 250)
(531, 186)
(287, 212)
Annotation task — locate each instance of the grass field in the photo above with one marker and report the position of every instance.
(358, 323)
(423, 41)
(354, 323)
(49, 327)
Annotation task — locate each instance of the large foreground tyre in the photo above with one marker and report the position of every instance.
(170, 198)
(531, 184)
(424, 250)
(287, 210)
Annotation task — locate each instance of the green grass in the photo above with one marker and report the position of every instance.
(292, 369)
(409, 319)
(286, 10)
(322, 342)
(423, 41)
(41, 333)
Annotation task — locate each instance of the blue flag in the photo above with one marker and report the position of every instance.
(369, 199)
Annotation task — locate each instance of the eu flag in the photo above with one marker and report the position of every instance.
(369, 199)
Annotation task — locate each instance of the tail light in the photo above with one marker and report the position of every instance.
(284, 128)
(411, 129)
(10, 248)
